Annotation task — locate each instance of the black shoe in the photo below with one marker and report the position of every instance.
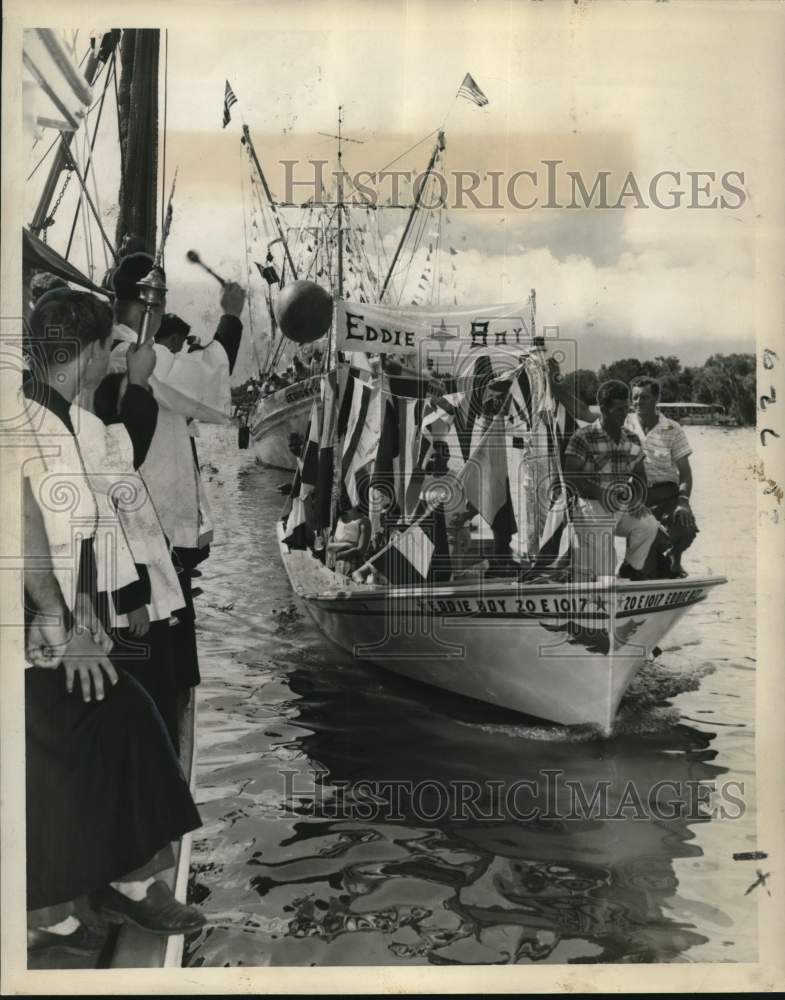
(159, 913)
(82, 941)
(626, 572)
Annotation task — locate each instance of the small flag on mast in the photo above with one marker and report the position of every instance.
(471, 91)
(229, 100)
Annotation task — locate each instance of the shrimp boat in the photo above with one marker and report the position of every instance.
(555, 652)
(338, 243)
(278, 418)
(527, 638)
(59, 95)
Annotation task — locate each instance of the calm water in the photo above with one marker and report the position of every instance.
(291, 871)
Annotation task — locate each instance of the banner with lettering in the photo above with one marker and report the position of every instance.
(372, 329)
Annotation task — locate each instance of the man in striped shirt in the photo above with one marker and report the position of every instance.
(604, 466)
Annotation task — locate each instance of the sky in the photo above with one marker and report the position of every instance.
(621, 87)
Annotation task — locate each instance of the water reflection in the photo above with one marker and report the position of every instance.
(424, 885)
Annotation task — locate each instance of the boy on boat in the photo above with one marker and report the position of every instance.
(604, 465)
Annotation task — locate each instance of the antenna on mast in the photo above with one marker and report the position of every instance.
(340, 204)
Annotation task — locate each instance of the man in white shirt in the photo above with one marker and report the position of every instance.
(669, 476)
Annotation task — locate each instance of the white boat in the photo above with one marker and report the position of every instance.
(561, 652)
(277, 417)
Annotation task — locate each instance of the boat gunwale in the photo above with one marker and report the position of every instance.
(364, 591)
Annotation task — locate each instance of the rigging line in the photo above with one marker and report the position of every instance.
(119, 125)
(414, 242)
(248, 279)
(88, 240)
(49, 150)
(406, 152)
(87, 115)
(96, 195)
(72, 161)
(90, 160)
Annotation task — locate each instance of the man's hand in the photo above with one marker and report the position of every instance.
(141, 362)
(48, 645)
(139, 622)
(683, 515)
(232, 299)
(86, 660)
(87, 621)
(47, 640)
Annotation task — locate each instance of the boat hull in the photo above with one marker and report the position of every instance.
(554, 651)
(279, 415)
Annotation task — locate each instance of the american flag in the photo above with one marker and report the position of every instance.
(471, 91)
(229, 100)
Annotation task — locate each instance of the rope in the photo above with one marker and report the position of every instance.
(49, 150)
(248, 278)
(90, 160)
(82, 184)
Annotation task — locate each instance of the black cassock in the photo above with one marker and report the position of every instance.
(105, 790)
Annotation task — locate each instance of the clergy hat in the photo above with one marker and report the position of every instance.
(128, 272)
(172, 325)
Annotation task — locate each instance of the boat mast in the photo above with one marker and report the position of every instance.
(248, 142)
(438, 148)
(137, 107)
(97, 57)
(340, 206)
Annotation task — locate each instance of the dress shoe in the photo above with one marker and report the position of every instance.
(159, 913)
(626, 572)
(82, 941)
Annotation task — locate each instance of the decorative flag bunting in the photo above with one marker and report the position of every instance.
(326, 449)
(362, 437)
(310, 467)
(469, 90)
(485, 480)
(298, 531)
(229, 100)
(418, 555)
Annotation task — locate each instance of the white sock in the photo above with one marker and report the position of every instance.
(67, 926)
(137, 891)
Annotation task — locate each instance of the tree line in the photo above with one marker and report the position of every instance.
(724, 379)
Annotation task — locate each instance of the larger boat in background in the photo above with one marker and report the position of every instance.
(340, 245)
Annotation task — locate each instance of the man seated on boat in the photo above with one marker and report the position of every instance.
(667, 460)
(604, 466)
(347, 549)
(299, 369)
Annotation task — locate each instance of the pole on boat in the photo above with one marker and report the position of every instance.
(438, 148)
(95, 60)
(249, 143)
